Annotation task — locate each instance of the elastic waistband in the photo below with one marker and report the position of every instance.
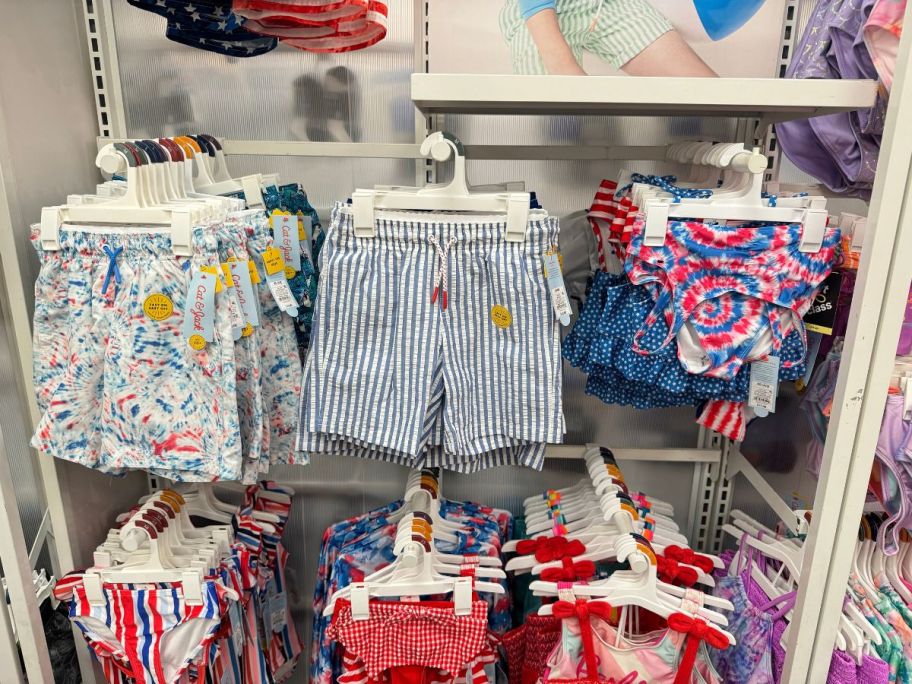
(396, 226)
(140, 242)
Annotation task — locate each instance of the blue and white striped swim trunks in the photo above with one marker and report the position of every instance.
(434, 343)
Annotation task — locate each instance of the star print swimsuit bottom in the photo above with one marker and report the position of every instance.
(434, 343)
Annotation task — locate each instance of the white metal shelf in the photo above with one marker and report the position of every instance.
(771, 99)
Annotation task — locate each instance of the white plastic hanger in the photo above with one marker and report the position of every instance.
(630, 589)
(150, 571)
(205, 165)
(743, 203)
(412, 573)
(455, 196)
(135, 208)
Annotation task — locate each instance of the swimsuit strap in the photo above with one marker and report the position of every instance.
(697, 631)
(582, 610)
(787, 601)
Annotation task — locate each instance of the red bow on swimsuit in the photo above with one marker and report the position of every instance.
(547, 549)
(696, 631)
(582, 610)
(674, 573)
(688, 557)
(570, 571)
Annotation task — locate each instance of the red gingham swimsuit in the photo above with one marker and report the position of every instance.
(409, 643)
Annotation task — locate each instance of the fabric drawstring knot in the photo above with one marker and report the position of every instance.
(441, 277)
(113, 268)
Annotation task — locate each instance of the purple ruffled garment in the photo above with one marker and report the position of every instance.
(840, 150)
(727, 557)
(872, 671)
(843, 668)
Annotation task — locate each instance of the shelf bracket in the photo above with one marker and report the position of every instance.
(739, 465)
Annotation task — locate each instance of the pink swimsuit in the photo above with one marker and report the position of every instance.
(881, 35)
(589, 650)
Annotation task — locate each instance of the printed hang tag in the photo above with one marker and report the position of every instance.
(199, 312)
(235, 314)
(281, 292)
(821, 317)
(559, 297)
(764, 386)
(277, 281)
(285, 237)
(305, 234)
(277, 606)
(237, 626)
(273, 261)
(241, 273)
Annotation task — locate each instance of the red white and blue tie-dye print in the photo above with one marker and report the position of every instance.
(706, 274)
(232, 244)
(132, 393)
(119, 390)
(279, 360)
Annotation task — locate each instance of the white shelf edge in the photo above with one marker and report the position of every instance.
(768, 98)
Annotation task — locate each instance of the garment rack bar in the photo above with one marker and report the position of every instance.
(296, 148)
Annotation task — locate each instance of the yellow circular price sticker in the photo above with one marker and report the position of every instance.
(247, 330)
(501, 317)
(289, 273)
(158, 307)
(197, 342)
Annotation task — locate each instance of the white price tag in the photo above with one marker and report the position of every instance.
(235, 315)
(764, 386)
(240, 271)
(282, 295)
(277, 605)
(559, 298)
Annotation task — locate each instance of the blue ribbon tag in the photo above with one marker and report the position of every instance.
(240, 271)
(285, 237)
(199, 310)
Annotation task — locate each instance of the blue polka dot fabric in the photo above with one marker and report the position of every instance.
(601, 342)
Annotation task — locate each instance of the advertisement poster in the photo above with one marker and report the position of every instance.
(735, 38)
